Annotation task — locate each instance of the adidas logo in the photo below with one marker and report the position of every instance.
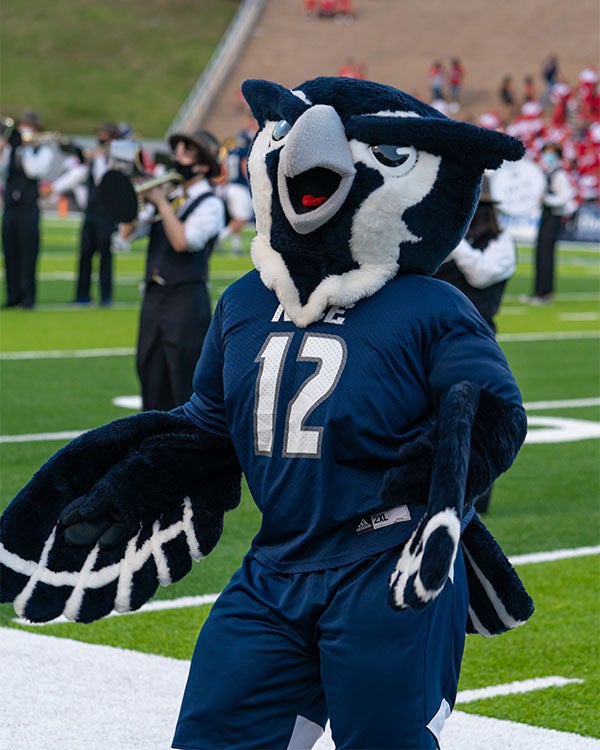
(363, 526)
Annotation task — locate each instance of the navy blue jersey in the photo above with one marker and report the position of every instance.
(317, 415)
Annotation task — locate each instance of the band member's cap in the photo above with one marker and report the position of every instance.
(206, 144)
(486, 194)
(31, 118)
(113, 130)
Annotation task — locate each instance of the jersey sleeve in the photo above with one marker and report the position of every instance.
(206, 407)
(464, 348)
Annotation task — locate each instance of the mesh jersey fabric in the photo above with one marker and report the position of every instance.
(317, 415)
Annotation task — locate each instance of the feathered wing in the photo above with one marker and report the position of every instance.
(478, 436)
(113, 514)
(498, 600)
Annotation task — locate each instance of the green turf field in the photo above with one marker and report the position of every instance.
(52, 386)
(113, 60)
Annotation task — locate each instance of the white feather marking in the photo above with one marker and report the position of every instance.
(262, 190)
(126, 573)
(86, 578)
(342, 290)
(508, 620)
(16, 563)
(377, 241)
(73, 603)
(410, 563)
(478, 625)
(22, 599)
(448, 520)
(162, 565)
(188, 525)
(301, 95)
(390, 113)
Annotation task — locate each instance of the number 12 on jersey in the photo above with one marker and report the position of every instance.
(329, 354)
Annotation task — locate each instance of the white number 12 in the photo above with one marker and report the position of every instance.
(329, 352)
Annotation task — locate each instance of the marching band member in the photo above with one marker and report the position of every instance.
(236, 191)
(98, 225)
(23, 163)
(176, 308)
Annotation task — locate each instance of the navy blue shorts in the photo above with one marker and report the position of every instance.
(280, 654)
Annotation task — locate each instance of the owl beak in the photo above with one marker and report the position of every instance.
(316, 169)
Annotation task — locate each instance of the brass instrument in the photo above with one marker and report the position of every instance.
(124, 198)
(7, 125)
(152, 182)
(38, 139)
(225, 148)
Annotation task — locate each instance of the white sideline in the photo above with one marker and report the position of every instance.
(68, 695)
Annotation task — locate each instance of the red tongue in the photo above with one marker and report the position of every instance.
(312, 201)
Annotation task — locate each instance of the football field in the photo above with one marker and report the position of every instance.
(65, 369)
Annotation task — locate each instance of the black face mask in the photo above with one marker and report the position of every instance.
(185, 170)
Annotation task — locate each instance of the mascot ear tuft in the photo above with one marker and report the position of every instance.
(271, 101)
(488, 147)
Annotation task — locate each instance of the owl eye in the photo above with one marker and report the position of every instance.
(401, 158)
(281, 129)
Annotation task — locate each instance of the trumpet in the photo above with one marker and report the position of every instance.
(47, 136)
(123, 198)
(172, 176)
(7, 125)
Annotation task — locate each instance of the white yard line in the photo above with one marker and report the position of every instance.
(125, 700)
(572, 403)
(512, 688)
(579, 316)
(547, 336)
(570, 297)
(71, 434)
(183, 602)
(533, 558)
(39, 437)
(129, 351)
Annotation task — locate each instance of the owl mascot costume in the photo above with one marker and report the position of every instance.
(367, 405)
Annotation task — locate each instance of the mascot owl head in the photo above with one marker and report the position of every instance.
(354, 182)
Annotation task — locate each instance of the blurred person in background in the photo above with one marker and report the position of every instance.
(437, 81)
(236, 189)
(558, 203)
(455, 81)
(549, 76)
(183, 227)
(529, 94)
(480, 266)
(25, 159)
(508, 101)
(98, 225)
